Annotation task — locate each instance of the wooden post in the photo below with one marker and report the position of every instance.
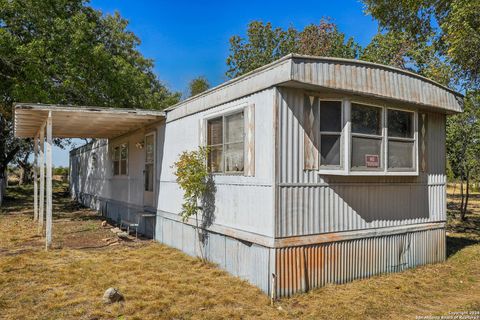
(35, 179)
(41, 157)
(48, 238)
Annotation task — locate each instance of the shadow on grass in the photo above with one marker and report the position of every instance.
(462, 233)
(19, 200)
(455, 244)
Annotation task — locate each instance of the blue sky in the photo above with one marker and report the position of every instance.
(188, 39)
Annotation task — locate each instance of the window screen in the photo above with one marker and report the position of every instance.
(400, 124)
(401, 141)
(234, 143)
(149, 161)
(123, 159)
(366, 119)
(120, 160)
(116, 161)
(366, 144)
(225, 138)
(330, 132)
(366, 153)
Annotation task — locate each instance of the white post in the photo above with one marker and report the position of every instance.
(35, 179)
(48, 239)
(41, 157)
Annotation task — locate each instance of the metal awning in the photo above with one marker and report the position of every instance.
(43, 122)
(80, 122)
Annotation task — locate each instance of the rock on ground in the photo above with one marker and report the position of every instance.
(112, 295)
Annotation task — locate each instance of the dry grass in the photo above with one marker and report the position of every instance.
(163, 283)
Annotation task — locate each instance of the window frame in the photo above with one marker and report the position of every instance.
(120, 146)
(224, 115)
(414, 139)
(329, 167)
(380, 137)
(345, 168)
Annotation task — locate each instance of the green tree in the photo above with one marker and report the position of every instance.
(65, 52)
(264, 44)
(398, 49)
(451, 26)
(198, 85)
(463, 146)
(192, 176)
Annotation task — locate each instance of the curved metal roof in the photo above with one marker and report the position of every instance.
(345, 75)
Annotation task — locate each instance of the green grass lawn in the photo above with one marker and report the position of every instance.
(163, 283)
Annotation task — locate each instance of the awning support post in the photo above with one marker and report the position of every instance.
(48, 238)
(41, 157)
(35, 178)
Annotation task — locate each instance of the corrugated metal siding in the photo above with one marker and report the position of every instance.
(369, 79)
(309, 203)
(242, 202)
(299, 269)
(248, 261)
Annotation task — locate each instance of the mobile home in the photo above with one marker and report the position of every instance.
(324, 170)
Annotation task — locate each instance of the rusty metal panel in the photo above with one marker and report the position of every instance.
(373, 79)
(309, 203)
(299, 269)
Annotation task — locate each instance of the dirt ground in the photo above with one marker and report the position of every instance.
(159, 282)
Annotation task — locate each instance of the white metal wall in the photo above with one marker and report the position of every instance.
(96, 179)
(241, 203)
(309, 203)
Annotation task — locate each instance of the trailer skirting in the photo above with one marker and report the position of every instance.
(301, 268)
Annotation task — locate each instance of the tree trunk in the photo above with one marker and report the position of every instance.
(467, 195)
(461, 195)
(25, 173)
(2, 189)
(3, 184)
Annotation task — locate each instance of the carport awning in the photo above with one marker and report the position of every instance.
(80, 122)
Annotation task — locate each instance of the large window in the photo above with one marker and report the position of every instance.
(357, 138)
(330, 132)
(120, 160)
(225, 139)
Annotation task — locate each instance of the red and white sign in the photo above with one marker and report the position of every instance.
(372, 160)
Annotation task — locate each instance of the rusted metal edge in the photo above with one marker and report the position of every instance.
(242, 235)
(310, 87)
(359, 62)
(356, 234)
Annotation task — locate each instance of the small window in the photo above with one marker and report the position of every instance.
(149, 162)
(366, 148)
(120, 160)
(330, 132)
(116, 161)
(225, 139)
(401, 141)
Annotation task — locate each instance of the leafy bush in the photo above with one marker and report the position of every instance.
(192, 175)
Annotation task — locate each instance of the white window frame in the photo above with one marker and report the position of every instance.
(224, 114)
(345, 159)
(120, 146)
(340, 166)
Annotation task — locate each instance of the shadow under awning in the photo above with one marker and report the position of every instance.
(80, 122)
